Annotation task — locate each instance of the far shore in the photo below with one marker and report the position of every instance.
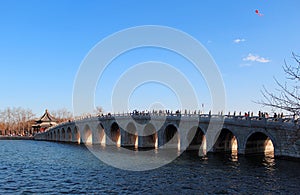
(16, 137)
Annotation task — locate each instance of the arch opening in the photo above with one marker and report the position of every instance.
(150, 140)
(54, 136)
(63, 135)
(171, 137)
(69, 135)
(259, 144)
(58, 136)
(198, 141)
(226, 142)
(130, 136)
(115, 134)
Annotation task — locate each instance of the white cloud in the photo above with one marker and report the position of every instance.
(256, 58)
(239, 40)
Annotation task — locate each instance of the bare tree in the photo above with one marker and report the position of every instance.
(286, 96)
(28, 117)
(2, 123)
(62, 115)
(16, 112)
(15, 120)
(7, 117)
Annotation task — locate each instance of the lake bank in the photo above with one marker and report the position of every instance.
(16, 138)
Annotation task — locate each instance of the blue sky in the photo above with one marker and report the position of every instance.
(44, 42)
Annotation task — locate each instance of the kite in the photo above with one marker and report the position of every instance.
(258, 13)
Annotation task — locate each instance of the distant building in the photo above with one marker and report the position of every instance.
(44, 123)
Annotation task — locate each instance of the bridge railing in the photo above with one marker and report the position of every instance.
(287, 119)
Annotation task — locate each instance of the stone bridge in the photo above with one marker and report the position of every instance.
(206, 133)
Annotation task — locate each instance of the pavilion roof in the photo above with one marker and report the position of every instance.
(47, 117)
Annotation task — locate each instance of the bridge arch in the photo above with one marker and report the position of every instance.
(76, 135)
(63, 135)
(130, 136)
(149, 138)
(87, 135)
(197, 140)
(69, 135)
(58, 135)
(261, 143)
(54, 135)
(226, 142)
(115, 133)
(171, 137)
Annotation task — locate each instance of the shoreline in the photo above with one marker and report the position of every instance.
(16, 138)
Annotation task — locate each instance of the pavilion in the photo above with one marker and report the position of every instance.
(46, 121)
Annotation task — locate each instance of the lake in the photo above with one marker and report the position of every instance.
(39, 167)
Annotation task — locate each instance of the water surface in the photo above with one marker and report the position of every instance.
(55, 168)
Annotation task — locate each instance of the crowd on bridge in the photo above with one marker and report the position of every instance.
(200, 113)
(155, 112)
